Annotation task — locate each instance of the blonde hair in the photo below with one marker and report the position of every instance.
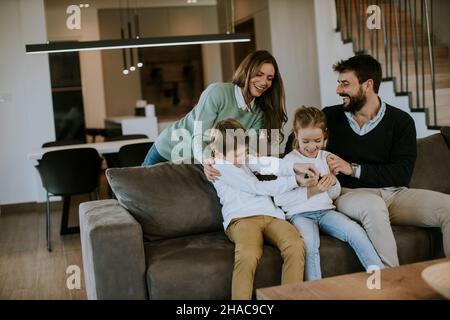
(223, 135)
(309, 117)
(272, 101)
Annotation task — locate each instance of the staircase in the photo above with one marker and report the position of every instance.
(405, 45)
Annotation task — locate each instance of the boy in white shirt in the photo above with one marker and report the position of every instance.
(311, 208)
(249, 214)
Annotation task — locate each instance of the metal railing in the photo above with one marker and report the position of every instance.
(404, 44)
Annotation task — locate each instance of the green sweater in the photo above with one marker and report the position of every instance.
(216, 103)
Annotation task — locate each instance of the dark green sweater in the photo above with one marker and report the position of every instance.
(386, 154)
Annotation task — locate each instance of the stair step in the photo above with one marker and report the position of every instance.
(440, 52)
(441, 66)
(442, 97)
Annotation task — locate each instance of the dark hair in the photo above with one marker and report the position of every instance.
(365, 67)
(306, 117)
(272, 102)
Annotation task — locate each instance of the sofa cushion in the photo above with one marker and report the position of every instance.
(200, 267)
(432, 169)
(168, 200)
(445, 131)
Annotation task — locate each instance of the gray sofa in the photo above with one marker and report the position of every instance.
(163, 237)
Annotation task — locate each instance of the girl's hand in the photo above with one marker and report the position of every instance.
(210, 173)
(333, 179)
(324, 184)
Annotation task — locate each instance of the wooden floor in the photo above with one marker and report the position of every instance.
(27, 269)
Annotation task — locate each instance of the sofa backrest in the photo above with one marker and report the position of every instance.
(432, 169)
(168, 200)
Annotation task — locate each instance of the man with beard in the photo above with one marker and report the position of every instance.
(374, 151)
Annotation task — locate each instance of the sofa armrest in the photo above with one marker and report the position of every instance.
(113, 252)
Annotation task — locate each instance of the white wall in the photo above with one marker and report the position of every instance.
(293, 30)
(26, 116)
(330, 49)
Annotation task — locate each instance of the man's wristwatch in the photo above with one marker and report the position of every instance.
(355, 167)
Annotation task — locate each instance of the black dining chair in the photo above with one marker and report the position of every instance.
(66, 173)
(112, 159)
(131, 155)
(126, 137)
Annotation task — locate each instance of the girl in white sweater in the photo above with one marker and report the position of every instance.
(311, 208)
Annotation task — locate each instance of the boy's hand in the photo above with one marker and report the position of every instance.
(302, 181)
(306, 168)
(210, 173)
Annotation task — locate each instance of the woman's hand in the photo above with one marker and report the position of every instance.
(210, 173)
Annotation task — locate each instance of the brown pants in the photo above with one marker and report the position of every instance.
(249, 234)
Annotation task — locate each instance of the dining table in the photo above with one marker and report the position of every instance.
(101, 147)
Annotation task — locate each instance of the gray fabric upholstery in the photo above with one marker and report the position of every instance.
(168, 200)
(201, 266)
(187, 255)
(432, 169)
(445, 131)
(113, 252)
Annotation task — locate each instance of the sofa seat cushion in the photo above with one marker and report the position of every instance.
(200, 267)
(413, 245)
(168, 200)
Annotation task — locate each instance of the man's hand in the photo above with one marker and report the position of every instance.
(210, 173)
(306, 168)
(325, 184)
(338, 165)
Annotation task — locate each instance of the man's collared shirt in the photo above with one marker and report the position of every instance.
(366, 128)
(369, 126)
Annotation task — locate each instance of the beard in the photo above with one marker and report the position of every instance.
(356, 102)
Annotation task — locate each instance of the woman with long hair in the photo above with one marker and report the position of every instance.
(255, 98)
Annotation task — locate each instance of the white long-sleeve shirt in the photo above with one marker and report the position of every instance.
(243, 195)
(296, 200)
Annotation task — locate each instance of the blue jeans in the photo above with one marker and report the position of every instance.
(153, 157)
(338, 226)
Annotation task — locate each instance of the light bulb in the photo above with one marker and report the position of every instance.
(125, 71)
(132, 68)
(140, 64)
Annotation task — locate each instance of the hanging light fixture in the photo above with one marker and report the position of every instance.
(136, 42)
(137, 29)
(125, 70)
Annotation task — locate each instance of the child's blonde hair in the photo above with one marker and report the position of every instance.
(309, 117)
(223, 135)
